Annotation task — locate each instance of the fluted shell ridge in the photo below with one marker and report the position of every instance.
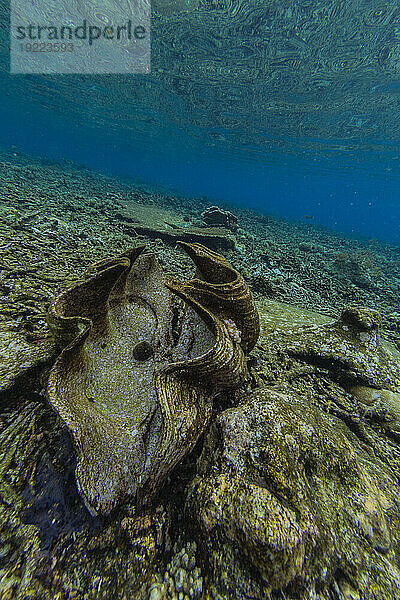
(223, 290)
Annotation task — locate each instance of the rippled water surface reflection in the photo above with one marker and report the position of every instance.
(245, 98)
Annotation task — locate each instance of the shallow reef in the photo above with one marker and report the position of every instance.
(266, 435)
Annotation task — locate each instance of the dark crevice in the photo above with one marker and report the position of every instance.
(52, 502)
(26, 384)
(337, 369)
(176, 325)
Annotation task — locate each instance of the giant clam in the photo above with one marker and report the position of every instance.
(143, 358)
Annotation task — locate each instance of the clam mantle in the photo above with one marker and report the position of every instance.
(143, 357)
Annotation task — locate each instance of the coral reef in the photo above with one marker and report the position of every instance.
(292, 489)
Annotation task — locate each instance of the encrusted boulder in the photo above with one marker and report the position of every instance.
(361, 318)
(350, 349)
(282, 489)
(216, 217)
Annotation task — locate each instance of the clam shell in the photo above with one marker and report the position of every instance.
(142, 359)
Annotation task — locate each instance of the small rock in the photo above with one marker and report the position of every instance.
(364, 319)
(216, 217)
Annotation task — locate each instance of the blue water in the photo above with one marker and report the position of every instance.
(298, 143)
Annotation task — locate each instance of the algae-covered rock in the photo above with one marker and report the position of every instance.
(362, 318)
(350, 348)
(381, 405)
(216, 217)
(282, 490)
